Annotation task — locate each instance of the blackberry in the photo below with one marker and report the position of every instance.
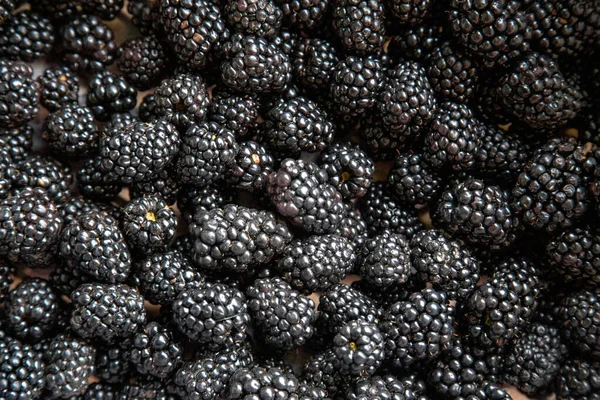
(6, 9)
(215, 315)
(18, 142)
(112, 364)
(154, 351)
(92, 182)
(316, 263)
(145, 15)
(194, 29)
(381, 142)
(304, 15)
(537, 93)
(236, 112)
(382, 213)
(103, 9)
(578, 379)
(350, 170)
(252, 167)
(32, 310)
(454, 138)
(534, 359)
(100, 391)
(284, 318)
(60, 11)
(359, 24)
(86, 44)
(321, 372)
(358, 348)
(419, 328)
(120, 121)
(139, 151)
(6, 279)
(181, 100)
(143, 388)
(379, 387)
(550, 193)
(18, 97)
(260, 18)
(69, 365)
(106, 313)
(26, 37)
(574, 256)
(415, 43)
(207, 151)
(501, 154)
(452, 73)
(495, 33)
(43, 172)
(444, 263)
(257, 382)
(164, 185)
(194, 198)
(149, 224)
(314, 60)
(384, 260)
(108, 94)
(22, 375)
(71, 131)
(297, 125)
(142, 61)
(587, 124)
(578, 319)
(477, 212)
(355, 84)
(207, 377)
(412, 181)
(300, 192)
(94, 244)
(66, 279)
(59, 87)
(407, 103)
(254, 65)
(234, 238)
(147, 109)
(30, 226)
(352, 226)
(409, 12)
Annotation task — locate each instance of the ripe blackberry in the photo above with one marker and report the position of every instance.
(149, 224)
(350, 170)
(103, 9)
(6, 279)
(155, 352)
(358, 347)
(409, 12)
(106, 313)
(18, 142)
(384, 260)
(94, 244)
(59, 11)
(86, 44)
(237, 112)
(304, 15)
(92, 182)
(145, 15)
(578, 320)
(207, 377)
(534, 359)
(112, 364)
(142, 61)
(319, 371)
(574, 256)
(316, 263)
(32, 310)
(454, 138)
(260, 18)
(120, 121)
(6, 9)
(30, 226)
(254, 65)
(181, 100)
(452, 73)
(43, 172)
(143, 388)
(147, 109)
(407, 103)
(358, 24)
(139, 151)
(415, 43)
(284, 318)
(419, 328)
(66, 279)
(550, 193)
(109, 93)
(381, 142)
(26, 37)
(537, 93)
(382, 213)
(164, 185)
(314, 61)
(355, 84)
(412, 182)
(252, 167)
(215, 315)
(234, 238)
(69, 365)
(352, 226)
(297, 125)
(194, 198)
(383, 387)
(495, 33)
(59, 87)
(22, 375)
(578, 379)
(194, 29)
(18, 97)
(100, 391)
(300, 192)
(71, 131)
(257, 382)
(501, 155)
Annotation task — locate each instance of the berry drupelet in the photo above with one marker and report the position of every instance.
(104, 9)
(71, 131)
(358, 24)
(112, 364)
(247, 383)
(182, 100)
(149, 224)
(164, 184)
(415, 43)
(260, 18)
(26, 37)
(358, 348)
(385, 387)
(409, 12)
(194, 198)
(578, 320)
(18, 96)
(251, 168)
(93, 183)
(452, 73)
(304, 15)
(350, 170)
(501, 155)
(142, 61)
(22, 375)
(314, 60)
(412, 182)
(155, 352)
(578, 379)
(145, 16)
(44, 172)
(18, 142)
(147, 109)
(237, 112)
(108, 94)
(59, 87)
(384, 260)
